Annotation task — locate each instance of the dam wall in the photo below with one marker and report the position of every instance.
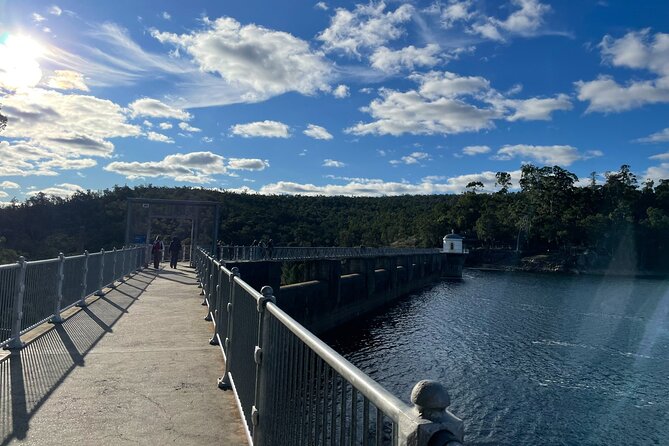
(331, 292)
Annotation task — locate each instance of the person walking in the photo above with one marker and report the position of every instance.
(157, 251)
(174, 249)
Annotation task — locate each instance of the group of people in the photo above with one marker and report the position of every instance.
(158, 248)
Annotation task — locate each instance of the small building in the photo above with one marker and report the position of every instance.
(453, 243)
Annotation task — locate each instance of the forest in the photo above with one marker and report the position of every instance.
(548, 213)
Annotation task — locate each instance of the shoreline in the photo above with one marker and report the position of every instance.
(570, 272)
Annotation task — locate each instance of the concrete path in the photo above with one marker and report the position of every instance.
(134, 367)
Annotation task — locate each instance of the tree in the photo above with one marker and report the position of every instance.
(503, 180)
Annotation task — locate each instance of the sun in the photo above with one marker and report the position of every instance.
(19, 66)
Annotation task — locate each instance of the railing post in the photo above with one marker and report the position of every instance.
(57, 318)
(102, 272)
(84, 282)
(431, 424)
(224, 382)
(261, 385)
(17, 314)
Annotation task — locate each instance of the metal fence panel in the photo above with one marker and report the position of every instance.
(41, 292)
(93, 273)
(242, 346)
(108, 275)
(73, 276)
(8, 276)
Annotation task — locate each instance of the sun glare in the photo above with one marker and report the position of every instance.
(19, 66)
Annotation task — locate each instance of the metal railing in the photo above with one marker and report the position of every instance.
(293, 389)
(235, 253)
(35, 292)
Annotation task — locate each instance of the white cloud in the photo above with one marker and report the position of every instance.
(607, 95)
(534, 109)
(9, 185)
(67, 80)
(321, 5)
(3, 194)
(376, 187)
(165, 125)
(333, 163)
(636, 50)
(154, 136)
(366, 27)
(70, 164)
(660, 156)
(456, 11)
(63, 190)
(166, 15)
(153, 108)
(55, 126)
(475, 150)
(446, 103)
(553, 155)
(413, 158)
(657, 173)
(262, 61)
(525, 21)
(661, 136)
(390, 61)
(55, 10)
(188, 128)
(317, 132)
(37, 18)
(194, 167)
(207, 139)
(341, 91)
(247, 164)
(266, 129)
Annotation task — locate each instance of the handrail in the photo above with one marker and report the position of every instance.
(292, 388)
(250, 253)
(37, 291)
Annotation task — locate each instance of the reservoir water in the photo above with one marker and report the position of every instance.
(530, 359)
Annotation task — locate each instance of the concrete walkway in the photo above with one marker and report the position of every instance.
(134, 367)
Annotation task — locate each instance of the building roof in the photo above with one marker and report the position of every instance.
(453, 236)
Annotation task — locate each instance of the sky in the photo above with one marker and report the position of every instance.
(328, 98)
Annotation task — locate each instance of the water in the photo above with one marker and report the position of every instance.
(530, 359)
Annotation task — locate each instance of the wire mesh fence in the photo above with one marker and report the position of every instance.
(34, 292)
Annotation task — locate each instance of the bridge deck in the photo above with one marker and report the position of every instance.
(134, 367)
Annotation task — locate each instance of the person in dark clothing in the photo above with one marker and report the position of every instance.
(174, 249)
(157, 251)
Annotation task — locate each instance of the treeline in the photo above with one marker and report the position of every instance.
(548, 213)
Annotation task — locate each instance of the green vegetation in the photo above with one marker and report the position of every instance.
(548, 214)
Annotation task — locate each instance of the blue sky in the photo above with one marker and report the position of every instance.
(328, 97)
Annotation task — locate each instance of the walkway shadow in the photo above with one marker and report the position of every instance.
(174, 275)
(28, 377)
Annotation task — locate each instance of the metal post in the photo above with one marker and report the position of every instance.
(17, 314)
(57, 318)
(224, 382)
(102, 272)
(215, 230)
(124, 252)
(431, 423)
(113, 282)
(262, 385)
(84, 282)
